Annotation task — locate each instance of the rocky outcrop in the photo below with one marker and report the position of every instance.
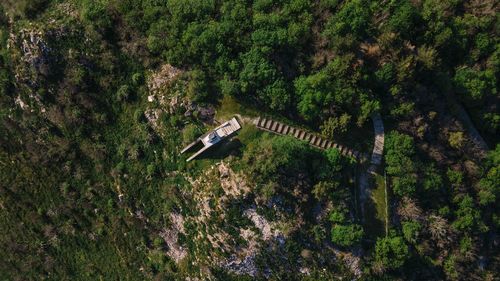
(162, 78)
(167, 88)
(170, 236)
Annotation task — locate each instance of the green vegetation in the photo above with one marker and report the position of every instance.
(376, 211)
(400, 163)
(391, 252)
(97, 98)
(489, 191)
(347, 235)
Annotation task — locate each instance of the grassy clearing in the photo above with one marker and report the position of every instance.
(375, 209)
(380, 197)
(229, 106)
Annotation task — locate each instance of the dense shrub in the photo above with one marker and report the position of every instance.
(392, 252)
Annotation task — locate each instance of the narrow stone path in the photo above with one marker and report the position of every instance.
(378, 145)
(313, 139)
(376, 160)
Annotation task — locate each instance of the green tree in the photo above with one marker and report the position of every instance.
(197, 88)
(403, 19)
(260, 77)
(490, 183)
(432, 179)
(405, 185)
(391, 252)
(335, 86)
(273, 159)
(474, 85)
(450, 267)
(335, 159)
(319, 233)
(137, 79)
(323, 190)
(400, 163)
(347, 235)
(352, 19)
(468, 216)
(96, 13)
(456, 140)
(337, 217)
(335, 126)
(151, 169)
(411, 231)
(312, 92)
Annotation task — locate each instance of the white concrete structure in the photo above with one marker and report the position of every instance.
(213, 137)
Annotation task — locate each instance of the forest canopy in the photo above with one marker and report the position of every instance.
(99, 97)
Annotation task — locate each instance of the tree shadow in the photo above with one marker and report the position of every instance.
(374, 227)
(223, 149)
(374, 209)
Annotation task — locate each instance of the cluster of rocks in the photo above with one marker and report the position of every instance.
(267, 229)
(243, 262)
(33, 59)
(238, 259)
(170, 236)
(35, 50)
(162, 78)
(166, 94)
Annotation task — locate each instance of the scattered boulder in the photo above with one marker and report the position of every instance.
(170, 236)
(162, 78)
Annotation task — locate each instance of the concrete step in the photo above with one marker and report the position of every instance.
(322, 143)
(340, 148)
(262, 121)
(302, 134)
(285, 129)
(256, 121)
(312, 140)
(297, 133)
(274, 126)
(279, 128)
(305, 137)
(267, 124)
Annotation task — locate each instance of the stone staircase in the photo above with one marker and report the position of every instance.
(313, 139)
